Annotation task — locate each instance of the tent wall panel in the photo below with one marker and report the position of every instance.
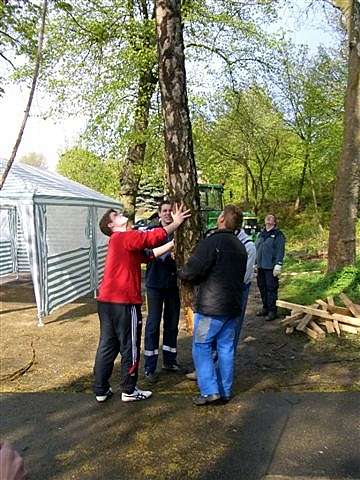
(101, 255)
(22, 256)
(8, 261)
(6, 258)
(68, 277)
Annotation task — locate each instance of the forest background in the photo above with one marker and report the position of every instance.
(267, 114)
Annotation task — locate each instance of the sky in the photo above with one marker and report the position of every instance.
(50, 137)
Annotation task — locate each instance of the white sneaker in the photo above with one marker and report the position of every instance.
(103, 398)
(136, 395)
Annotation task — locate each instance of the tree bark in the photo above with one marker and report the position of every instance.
(180, 161)
(301, 186)
(31, 95)
(342, 242)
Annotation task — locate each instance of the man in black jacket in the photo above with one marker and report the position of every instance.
(162, 299)
(217, 267)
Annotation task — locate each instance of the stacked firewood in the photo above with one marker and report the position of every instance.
(323, 317)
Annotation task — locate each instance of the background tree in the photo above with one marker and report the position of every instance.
(35, 160)
(89, 169)
(342, 240)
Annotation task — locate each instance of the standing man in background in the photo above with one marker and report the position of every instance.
(270, 251)
(162, 300)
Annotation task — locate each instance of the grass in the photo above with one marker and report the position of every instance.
(307, 288)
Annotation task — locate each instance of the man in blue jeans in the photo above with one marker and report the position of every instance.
(217, 267)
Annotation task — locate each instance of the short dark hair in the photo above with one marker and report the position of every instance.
(104, 222)
(164, 202)
(233, 217)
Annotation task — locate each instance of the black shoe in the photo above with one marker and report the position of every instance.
(207, 400)
(271, 316)
(262, 313)
(151, 377)
(103, 398)
(225, 400)
(172, 368)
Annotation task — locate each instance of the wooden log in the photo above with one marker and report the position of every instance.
(330, 301)
(316, 327)
(351, 306)
(348, 328)
(301, 326)
(345, 319)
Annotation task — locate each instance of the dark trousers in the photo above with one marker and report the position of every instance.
(159, 300)
(268, 286)
(120, 332)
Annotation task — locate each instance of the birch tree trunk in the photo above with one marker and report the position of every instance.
(342, 242)
(31, 94)
(180, 161)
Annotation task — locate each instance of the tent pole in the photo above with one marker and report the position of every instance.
(40, 320)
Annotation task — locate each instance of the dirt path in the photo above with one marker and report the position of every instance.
(267, 358)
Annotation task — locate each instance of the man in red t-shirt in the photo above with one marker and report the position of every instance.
(119, 300)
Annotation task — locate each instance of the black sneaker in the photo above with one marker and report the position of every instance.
(103, 398)
(172, 368)
(202, 400)
(271, 316)
(151, 377)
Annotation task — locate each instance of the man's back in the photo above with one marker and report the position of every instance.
(218, 266)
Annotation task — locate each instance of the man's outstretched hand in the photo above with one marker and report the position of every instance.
(179, 215)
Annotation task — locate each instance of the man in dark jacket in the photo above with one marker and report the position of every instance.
(270, 250)
(217, 267)
(162, 299)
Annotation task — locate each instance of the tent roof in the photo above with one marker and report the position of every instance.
(25, 182)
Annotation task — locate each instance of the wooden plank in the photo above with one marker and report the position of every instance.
(311, 333)
(330, 301)
(305, 308)
(345, 319)
(303, 323)
(348, 328)
(340, 310)
(329, 326)
(353, 309)
(292, 319)
(322, 304)
(336, 327)
(316, 327)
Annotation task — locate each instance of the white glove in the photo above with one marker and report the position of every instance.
(277, 271)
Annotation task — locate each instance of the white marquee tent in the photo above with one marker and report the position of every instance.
(49, 228)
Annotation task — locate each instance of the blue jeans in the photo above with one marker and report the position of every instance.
(214, 378)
